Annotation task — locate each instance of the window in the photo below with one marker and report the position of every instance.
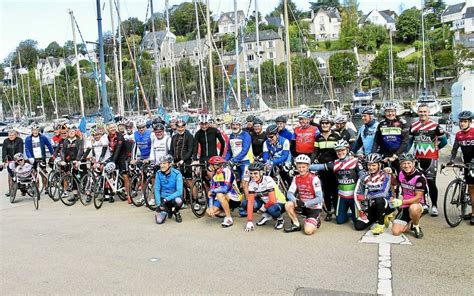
(317, 91)
(321, 19)
(271, 55)
(337, 90)
(271, 44)
(249, 46)
(322, 28)
(250, 57)
(225, 29)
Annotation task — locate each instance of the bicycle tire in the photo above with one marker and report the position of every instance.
(452, 203)
(149, 193)
(40, 183)
(99, 193)
(86, 184)
(121, 190)
(13, 192)
(136, 191)
(199, 202)
(36, 195)
(70, 181)
(53, 185)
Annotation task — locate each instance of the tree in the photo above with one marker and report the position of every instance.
(408, 25)
(436, 6)
(343, 66)
(293, 13)
(324, 4)
(68, 48)
(53, 50)
(133, 26)
(160, 22)
(29, 54)
(380, 65)
(349, 24)
(183, 18)
(372, 36)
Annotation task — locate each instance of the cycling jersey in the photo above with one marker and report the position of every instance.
(324, 147)
(182, 146)
(72, 149)
(115, 147)
(129, 145)
(220, 149)
(206, 140)
(465, 140)
(143, 143)
(55, 140)
(257, 143)
(10, 148)
(375, 186)
(410, 184)
(240, 147)
(365, 137)
(391, 137)
(168, 186)
(425, 138)
(159, 148)
(309, 191)
(304, 139)
(23, 171)
(265, 190)
(223, 182)
(287, 134)
(278, 153)
(347, 171)
(347, 134)
(99, 148)
(35, 147)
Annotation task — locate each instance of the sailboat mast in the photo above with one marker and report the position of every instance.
(202, 79)
(105, 104)
(119, 39)
(41, 92)
(23, 84)
(423, 46)
(211, 73)
(237, 56)
(116, 70)
(289, 75)
(13, 92)
(78, 69)
(171, 56)
(257, 39)
(392, 82)
(55, 98)
(159, 100)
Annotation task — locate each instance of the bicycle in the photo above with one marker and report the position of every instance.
(70, 182)
(26, 183)
(149, 189)
(137, 182)
(111, 181)
(456, 198)
(53, 180)
(198, 193)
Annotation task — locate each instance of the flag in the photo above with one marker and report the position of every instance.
(82, 125)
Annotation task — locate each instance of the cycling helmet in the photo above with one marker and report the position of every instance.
(236, 120)
(180, 122)
(257, 166)
(406, 157)
(128, 123)
(204, 118)
(341, 144)
(72, 126)
(19, 156)
(340, 119)
(304, 114)
(35, 126)
(303, 159)
(389, 106)
(374, 158)
(172, 118)
(141, 123)
(257, 121)
(216, 160)
(121, 122)
(281, 118)
(272, 129)
(465, 115)
(326, 118)
(250, 118)
(94, 131)
(166, 158)
(64, 128)
(368, 110)
(157, 125)
(109, 167)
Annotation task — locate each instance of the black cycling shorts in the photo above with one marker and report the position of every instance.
(122, 165)
(311, 213)
(429, 167)
(468, 177)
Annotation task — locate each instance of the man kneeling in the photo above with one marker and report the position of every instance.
(168, 191)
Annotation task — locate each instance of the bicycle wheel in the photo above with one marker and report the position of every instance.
(99, 192)
(13, 191)
(199, 198)
(65, 190)
(136, 191)
(453, 203)
(53, 185)
(149, 194)
(40, 182)
(85, 188)
(121, 190)
(35, 195)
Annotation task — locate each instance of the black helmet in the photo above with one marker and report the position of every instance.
(257, 166)
(465, 115)
(257, 121)
(281, 118)
(250, 118)
(157, 125)
(406, 157)
(272, 129)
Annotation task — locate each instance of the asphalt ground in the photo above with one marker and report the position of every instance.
(120, 250)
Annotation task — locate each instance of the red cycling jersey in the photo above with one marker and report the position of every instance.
(304, 139)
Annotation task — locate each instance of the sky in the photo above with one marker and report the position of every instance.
(48, 20)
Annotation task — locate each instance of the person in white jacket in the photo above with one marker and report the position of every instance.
(160, 143)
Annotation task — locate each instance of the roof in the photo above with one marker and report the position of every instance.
(389, 12)
(275, 20)
(263, 35)
(189, 46)
(387, 17)
(469, 13)
(230, 15)
(332, 12)
(452, 9)
(147, 41)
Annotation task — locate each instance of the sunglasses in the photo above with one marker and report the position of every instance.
(325, 123)
(204, 123)
(271, 137)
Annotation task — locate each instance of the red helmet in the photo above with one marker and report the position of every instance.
(216, 160)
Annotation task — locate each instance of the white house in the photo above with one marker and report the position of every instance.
(325, 24)
(226, 22)
(378, 18)
(162, 39)
(469, 20)
(461, 17)
(190, 49)
(49, 68)
(453, 13)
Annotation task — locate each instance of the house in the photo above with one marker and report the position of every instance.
(469, 20)
(326, 24)
(276, 21)
(48, 69)
(378, 18)
(390, 13)
(190, 49)
(226, 22)
(461, 18)
(453, 12)
(165, 41)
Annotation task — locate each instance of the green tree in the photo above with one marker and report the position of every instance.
(372, 36)
(349, 24)
(293, 13)
(160, 22)
(343, 66)
(29, 53)
(53, 50)
(68, 48)
(183, 18)
(408, 25)
(324, 4)
(132, 26)
(437, 6)
(380, 65)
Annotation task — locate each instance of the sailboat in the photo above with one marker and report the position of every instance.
(425, 97)
(400, 109)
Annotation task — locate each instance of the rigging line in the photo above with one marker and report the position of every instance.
(94, 70)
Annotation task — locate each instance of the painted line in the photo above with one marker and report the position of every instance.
(384, 285)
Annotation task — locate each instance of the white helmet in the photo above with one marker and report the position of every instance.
(237, 120)
(204, 118)
(303, 159)
(109, 167)
(140, 123)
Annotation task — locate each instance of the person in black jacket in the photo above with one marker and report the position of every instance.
(11, 146)
(206, 139)
(182, 150)
(119, 154)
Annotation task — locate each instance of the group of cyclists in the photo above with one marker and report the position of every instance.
(384, 172)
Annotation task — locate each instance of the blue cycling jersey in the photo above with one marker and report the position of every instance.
(365, 137)
(168, 186)
(278, 153)
(285, 133)
(143, 143)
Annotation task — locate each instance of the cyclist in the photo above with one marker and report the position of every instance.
(413, 185)
(215, 124)
(118, 155)
(391, 137)
(324, 152)
(58, 150)
(98, 145)
(374, 191)
(11, 146)
(428, 137)
(71, 154)
(182, 150)
(305, 134)
(269, 200)
(172, 126)
(22, 167)
(36, 145)
(347, 134)
(276, 149)
(125, 127)
(258, 137)
(305, 196)
(280, 121)
(465, 140)
(366, 134)
(348, 170)
(222, 195)
(250, 123)
(160, 142)
(57, 136)
(168, 191)
(206, 140)
(143, 140)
